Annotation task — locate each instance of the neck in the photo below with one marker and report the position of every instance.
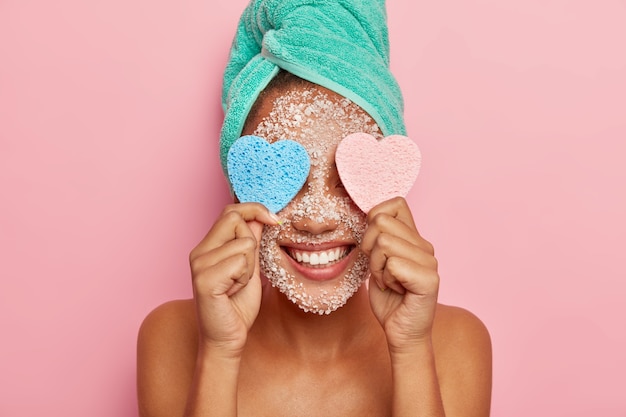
(304, 333)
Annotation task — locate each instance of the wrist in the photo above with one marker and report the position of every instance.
(417, 350)
(415, 381)
(219, 351)
(214, 386)
(402, 344)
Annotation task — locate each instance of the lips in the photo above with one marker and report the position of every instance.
(320, 264)
(319, 258)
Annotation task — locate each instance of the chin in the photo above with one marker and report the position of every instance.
(319, 289)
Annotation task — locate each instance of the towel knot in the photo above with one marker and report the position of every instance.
(342, 45)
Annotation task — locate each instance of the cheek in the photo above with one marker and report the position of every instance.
(355, 220)
(269, 252)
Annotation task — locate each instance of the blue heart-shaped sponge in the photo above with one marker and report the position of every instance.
(268, 174)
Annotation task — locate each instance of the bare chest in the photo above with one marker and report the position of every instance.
(357, 387)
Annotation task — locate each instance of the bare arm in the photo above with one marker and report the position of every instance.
(188, 356)
(213, 391)
(464, 362)
(174, 376)
(450, 376)
(166, 355)
(416, 389)
(438, 371)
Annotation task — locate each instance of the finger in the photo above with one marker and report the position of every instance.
(389, 282)
(257, 229)
(396, 207)
(243, 246)
(387, 246)
(383, 224)
(254, 211)
(411, 276)
(379, 274)
(219, 279)
(232, 224)
(393, 216)
(252, 258)
(238, 284)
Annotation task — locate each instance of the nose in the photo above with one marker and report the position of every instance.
(316, 222)
(314, 226)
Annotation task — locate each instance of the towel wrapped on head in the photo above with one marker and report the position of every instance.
(342, 45)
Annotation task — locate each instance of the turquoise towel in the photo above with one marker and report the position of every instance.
(342, 45)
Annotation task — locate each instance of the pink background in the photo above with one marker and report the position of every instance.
(109, 114)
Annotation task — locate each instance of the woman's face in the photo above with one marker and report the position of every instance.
(313, 257)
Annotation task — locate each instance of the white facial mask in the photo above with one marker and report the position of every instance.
(318, 121)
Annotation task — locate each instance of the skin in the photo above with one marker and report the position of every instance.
(240, 347)
(322, 218)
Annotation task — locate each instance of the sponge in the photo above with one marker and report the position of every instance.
(374, 171)
(268, 174)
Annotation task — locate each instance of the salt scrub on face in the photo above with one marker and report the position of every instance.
(318, 122)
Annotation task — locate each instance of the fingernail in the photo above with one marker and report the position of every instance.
(275, 218)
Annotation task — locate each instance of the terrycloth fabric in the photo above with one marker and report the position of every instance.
(339, 44)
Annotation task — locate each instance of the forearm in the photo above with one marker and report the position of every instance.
(213, 392)
(416, 390)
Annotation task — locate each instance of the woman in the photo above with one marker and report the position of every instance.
(281, 323)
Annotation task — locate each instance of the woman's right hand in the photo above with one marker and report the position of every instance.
(226, 280)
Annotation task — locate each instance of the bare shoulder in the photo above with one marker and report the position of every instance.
(168, 329)
(456, 324)
(173, 316)
(166, 351)
(464, 361)
(459, 335)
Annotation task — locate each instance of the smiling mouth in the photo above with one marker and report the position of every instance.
(320, 258)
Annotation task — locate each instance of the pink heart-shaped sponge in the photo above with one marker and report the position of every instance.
(374, 171)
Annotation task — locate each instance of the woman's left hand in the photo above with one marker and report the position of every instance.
(404, 283)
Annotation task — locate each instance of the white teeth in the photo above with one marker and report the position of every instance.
(323, 258)
(319, 258)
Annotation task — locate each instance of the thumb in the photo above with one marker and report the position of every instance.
(257, 229)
